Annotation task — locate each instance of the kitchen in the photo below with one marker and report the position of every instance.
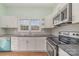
(39, 29)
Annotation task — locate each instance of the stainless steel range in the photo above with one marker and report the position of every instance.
(69, 37)
(52, 46)
(64, 38)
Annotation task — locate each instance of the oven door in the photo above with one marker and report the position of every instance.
(51, 49)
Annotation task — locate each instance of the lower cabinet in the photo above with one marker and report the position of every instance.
(28, 44)
(40, 43)
(14, 43)
(63, 53)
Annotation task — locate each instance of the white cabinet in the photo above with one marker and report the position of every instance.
(30, 44)
(8, 21)
(14, 43)
(63, 53)
(75, 12)
(25, 44)
(40, 44)
(48, 21)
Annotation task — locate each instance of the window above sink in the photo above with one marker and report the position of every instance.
(29, 25)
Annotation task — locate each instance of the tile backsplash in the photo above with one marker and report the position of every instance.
(67, 27)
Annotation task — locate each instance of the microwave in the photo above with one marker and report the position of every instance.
(64, 15)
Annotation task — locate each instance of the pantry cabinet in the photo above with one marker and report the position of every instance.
(8, 21)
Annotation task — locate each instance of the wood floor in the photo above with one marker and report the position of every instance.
(23, 54)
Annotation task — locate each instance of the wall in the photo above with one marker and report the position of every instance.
(69, 27)
(2, 13)
(29, 12)
(2, 10)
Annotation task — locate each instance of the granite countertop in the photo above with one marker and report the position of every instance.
(27, 35)
(71, 49)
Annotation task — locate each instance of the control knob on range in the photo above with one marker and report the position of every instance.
(77, 34)
(73, 33)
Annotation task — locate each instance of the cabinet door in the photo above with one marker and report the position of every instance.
(36, 44)
(75, 12)
(8, 21)
(40, 44)
(22, 43)
(63, 53)
(14, 43)
(31, 43)
(28, 44)
(49, 21)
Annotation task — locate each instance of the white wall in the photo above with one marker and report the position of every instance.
(2, 10)
(32, 12)
(2, 13)
(29, 12)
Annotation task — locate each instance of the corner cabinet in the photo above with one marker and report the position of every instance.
(48, 22)
(8, 21)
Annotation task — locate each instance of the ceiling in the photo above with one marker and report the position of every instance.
(30, 4)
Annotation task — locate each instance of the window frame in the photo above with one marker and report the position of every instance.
(19, 28)
(39, 26)
(29, 30)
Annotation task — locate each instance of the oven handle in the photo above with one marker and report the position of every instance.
(53, 48)
(50, 44)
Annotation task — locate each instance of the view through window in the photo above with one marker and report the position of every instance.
(30, 24)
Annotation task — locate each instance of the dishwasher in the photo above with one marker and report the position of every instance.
(5, 44)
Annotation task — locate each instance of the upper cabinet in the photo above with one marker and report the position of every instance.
(48, 22)
(75, 12)
(63, 14)
(8, 21)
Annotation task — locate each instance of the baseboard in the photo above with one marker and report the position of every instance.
(30, 51)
